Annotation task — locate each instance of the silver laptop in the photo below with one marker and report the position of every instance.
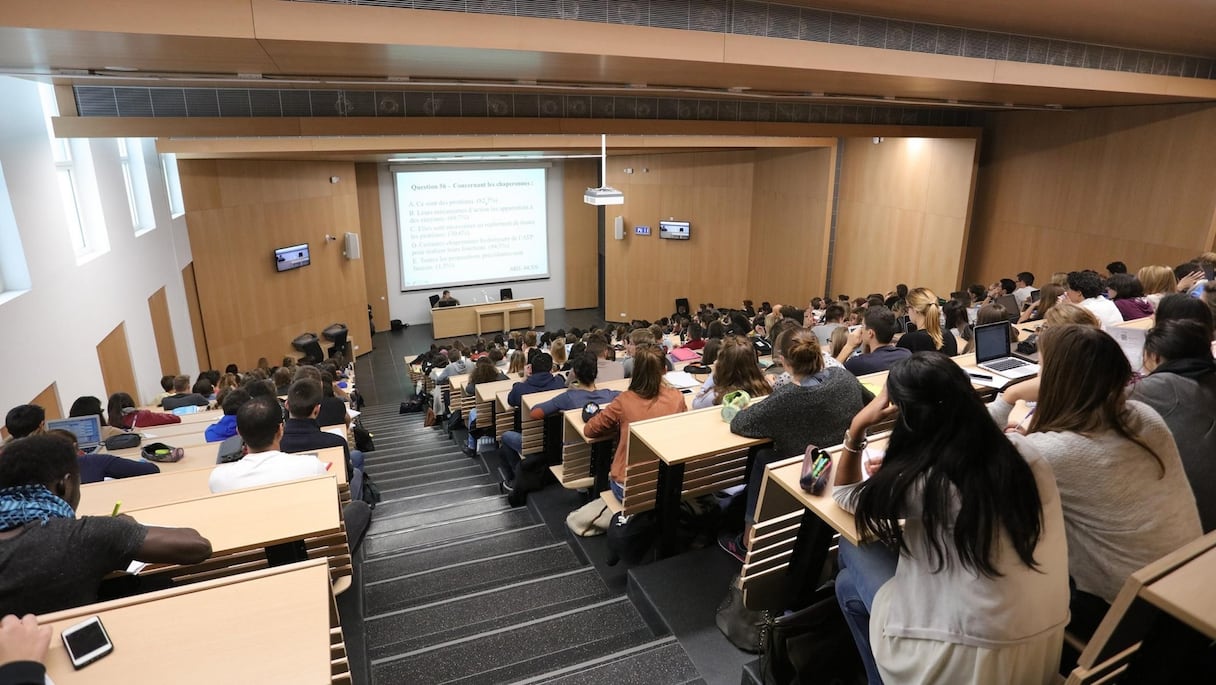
(87, 430)
(992, 346)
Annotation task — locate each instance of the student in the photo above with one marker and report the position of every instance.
(557, 350)
(333, 409)
(124, 415)
(99, 466)
(989, 314)
(736, 369)
(980, 590)
(1049, 296)
(203, 386)
(1125, 494)
(260, 424)
(23, 647)
(1128, 296)
(1085, 290)
(446, 300)
(648, 396)
(517, 362)
(695, 341)
(875, 338)
(957, 323)
(166, 384)
(24, 420)
(830, 396)
(88, 405)
(302, 433)
(282, 378)
(1069, 313)
(49, 559)
(1184, 307)
(539, 379)
(1115, 268)
(1025, 286)
(833, 318)
(182, 397)
(1181, 387)
(226, 427)
(926, 314)
(709, 354)
(607, 368)
(484, 371)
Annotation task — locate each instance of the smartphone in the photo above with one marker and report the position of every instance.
(87, 642)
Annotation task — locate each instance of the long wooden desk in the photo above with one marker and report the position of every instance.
(268, 626)
(465, 319)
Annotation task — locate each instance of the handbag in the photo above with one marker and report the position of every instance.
(812, 645)
(589, 520)
(430, 419)
(732, 402)
(739, 624)
(160, 452)
(816, 465)
(122, 441)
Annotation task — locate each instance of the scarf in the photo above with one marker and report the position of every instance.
(21, 504)
(1193, 369)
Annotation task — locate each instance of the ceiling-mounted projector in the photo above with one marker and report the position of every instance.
(603, 196)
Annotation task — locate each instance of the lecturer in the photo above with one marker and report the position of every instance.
(446, 300)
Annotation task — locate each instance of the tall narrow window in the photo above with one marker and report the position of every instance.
(77, 185)
(135, 179)
(14, 273)
(168, 162)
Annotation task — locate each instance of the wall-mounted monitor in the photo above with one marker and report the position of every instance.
(291, 257)
(673, 230)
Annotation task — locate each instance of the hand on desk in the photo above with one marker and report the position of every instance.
(1027, 391)
(22, 639)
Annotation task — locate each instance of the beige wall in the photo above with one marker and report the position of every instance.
(238, 212)
(903, 214)
(1064, 191)
(581, 226)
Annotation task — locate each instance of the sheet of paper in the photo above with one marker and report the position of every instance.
(339, 431)
(136, 567)
(1131, 341)
(352, 413)
(681, 379)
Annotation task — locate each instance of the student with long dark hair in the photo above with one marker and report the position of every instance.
(1126, 498)
(124, 415)
(736, 369)
(972, 586)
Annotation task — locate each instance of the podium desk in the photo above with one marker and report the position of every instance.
(466, 319)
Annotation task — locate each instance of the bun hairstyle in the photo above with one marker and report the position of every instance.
(803, 355)
(924, 302)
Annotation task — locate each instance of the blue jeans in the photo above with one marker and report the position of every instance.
(863, 570)
(514, 444)
(471, 423)
(617, 489)
(356, 459)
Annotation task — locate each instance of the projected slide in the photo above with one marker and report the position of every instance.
(471, 226)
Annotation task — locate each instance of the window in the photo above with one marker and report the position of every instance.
(135, 179)
(77, 185)
(14, 274)
(168, 162)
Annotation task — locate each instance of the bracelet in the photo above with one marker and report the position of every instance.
(857, 448)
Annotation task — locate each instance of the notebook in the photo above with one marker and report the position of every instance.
(683, 354)
(992, 352)
(87, 430)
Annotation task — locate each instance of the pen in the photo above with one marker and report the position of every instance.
(980, 376)
(1026, 418)
(117, 505)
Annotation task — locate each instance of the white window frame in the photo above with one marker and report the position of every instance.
(14, 271)
(173, 184)
(77, 183)
(132, 158)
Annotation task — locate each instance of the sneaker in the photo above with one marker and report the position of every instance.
(506, 487)
(733, 545)
(470, 453)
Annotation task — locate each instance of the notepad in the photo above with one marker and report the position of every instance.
(681, 379)
(683, 354)
(1131, 341)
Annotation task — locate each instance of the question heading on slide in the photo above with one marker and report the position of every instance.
(471, 226)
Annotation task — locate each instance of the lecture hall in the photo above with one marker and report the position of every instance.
(377, 342)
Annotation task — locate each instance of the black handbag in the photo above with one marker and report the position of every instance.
(812, 645)
(122, 441)
(740, 625)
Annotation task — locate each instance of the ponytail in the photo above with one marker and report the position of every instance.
(925, 303)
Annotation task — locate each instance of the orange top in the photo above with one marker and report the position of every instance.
(625, 409)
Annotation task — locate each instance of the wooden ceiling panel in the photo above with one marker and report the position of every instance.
(44, 49)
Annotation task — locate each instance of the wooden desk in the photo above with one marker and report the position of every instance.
(450, 322)
(1143, 324)
(268, 626)
(143, 492)
(1187, 593)
(198, 456)
(505, 310)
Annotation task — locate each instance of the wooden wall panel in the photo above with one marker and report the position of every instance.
(903, 213)
(1073, 190)
(791, 214)
(48, 399)
(114, 356)
(581, 222)
(367, 184)
(712, 190)
(238, 212)
(196, 316)
(162, 329)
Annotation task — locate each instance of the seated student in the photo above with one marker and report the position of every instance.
(1003, 287)
(24, 420)
(737, 369)
(695, 341)
(1157, 281)
(648, 396)
(778, 336)
(584, 369)
(874, 337)
(899, 294)
(1025, 286)
(99, 466)
(182, 397)
(282, 378)
(989, 314)
(1179, 307)
(226, 427)
(1085, 290)
(484, 371)
(968, 579)
(957, 323)
(1128, 295)
(52, 560)
(1125, 494)
(517, 362)
(539, 379)
(830, 396)
(260, 424)
(302, 433)
(446, 300)
(1116, 268)
(1049, 296)
(166, 384)
(1069, 313)
(557, 350)
(926, 314)
(1181, 387)
(709, 353)
(833, 318)
(91, 406)
(121, 410)
(203, 386)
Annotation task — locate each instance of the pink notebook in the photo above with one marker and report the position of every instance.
(683, 354)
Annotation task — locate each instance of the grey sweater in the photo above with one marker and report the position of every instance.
(1120, 513)
(794, 416)
(1189, 409)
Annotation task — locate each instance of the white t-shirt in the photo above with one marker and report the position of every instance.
(1021, 294)
(1106, 311)
(264, 468)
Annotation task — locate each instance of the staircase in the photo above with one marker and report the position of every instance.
(458, 587)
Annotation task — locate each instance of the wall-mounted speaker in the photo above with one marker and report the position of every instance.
(353, 250)
(618, 228)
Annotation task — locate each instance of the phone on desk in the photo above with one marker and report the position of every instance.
(87, 642)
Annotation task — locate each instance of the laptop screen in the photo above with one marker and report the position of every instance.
(87, 429)
(1010, 303)
(991, 341)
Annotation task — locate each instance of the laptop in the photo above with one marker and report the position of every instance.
(1010, 303)
(992, 352)
(87, 430)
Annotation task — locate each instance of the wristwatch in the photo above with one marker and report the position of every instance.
(861, 444)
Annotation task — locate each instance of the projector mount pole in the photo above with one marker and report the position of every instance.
(603, 160)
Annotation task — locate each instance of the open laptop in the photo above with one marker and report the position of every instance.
(992, 352)
(87, 430)
(1010, 303)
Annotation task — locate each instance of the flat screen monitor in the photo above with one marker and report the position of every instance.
(673, 230)
(291, 257)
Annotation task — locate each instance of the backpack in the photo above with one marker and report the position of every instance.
(363, 439)
(630, 538)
